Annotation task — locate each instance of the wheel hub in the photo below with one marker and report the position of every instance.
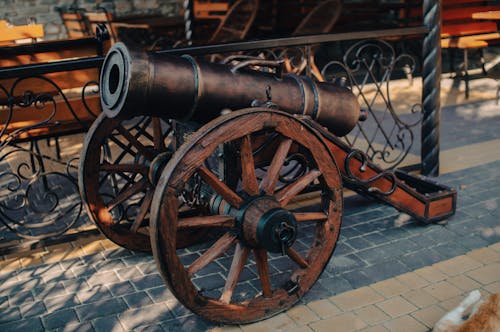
(262, 223)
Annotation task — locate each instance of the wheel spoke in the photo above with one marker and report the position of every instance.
(218, 248)
(263, 268)
(310, 216)
(237, 265)
(124, 168)
(290, 191)
(268, 183)
(221, 188)
(248, 177)
(129, 192)
(210, 221)
(296, 257)
(135, 143)
(159, 143)
(146, 204)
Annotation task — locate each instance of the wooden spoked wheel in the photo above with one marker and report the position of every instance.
(120, 164)
(268, 250)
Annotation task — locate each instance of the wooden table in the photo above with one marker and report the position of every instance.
(489, 15)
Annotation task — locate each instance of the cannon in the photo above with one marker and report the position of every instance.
(248, 161)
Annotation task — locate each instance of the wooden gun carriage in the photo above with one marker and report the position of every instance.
(241, 167)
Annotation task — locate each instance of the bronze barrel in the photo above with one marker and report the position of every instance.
(182, 88)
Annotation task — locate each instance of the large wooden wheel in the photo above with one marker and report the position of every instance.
(269, 248)
(119, 167)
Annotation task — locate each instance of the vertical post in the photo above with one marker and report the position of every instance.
(431, 77)
(188, 18)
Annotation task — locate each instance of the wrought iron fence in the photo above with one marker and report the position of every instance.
(38, 190)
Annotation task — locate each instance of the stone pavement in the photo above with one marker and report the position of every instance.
(387, 272)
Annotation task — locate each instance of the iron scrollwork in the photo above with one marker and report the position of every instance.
(39, 195)
(367, 69)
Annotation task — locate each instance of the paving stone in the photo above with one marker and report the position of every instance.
(464, 283)
(150, 328)
(76, 327)
(336, 284)
(485, 255)
(32, 309)
(109, 265)
(146, 282)
(121, 288)
(137, 300)
(38, 271)
(146, 315)
(276, 323)
(486, 274)
(493, 288)
(190, 323)
(49, 290)
(94, 294)
(107, 324)
(324, 308)
(419, 298)
(396, 306)
(104, 278)
(371, 315)
(75, 285)
(317, 292)
(390, 287)
(451, 303)
(378, 328)
(210, 282)
(420, 258)
(147, 268)
(18, 286)
(128, 273)
(33, 324)
(357, 278)
(442, 290)
(388, 269)
(303, 328)
(379, 254)
(412, 280)
(10, 314)
(302, 315)
(61, 302)
(19, 298)
(100, 308)
(340, 264)
(429, 316)
(343, 322)
(117, 253)
(457, 265)
(356, 299)
(431, 274)
(406, 323)
(59, 319)
(160, 294)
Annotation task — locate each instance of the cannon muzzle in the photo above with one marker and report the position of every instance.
(182, 88)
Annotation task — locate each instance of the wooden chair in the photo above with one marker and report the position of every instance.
(237, 22)
(206, 9)
(74, 22)
(320, 19)
(101, 16)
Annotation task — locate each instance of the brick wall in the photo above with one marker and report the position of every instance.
(19, 12)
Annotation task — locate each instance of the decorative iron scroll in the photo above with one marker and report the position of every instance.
(39, 195)
(367, 68)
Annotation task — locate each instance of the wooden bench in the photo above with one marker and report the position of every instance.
(54, 72)
(461, 31)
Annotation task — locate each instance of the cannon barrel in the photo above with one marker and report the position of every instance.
(182, 88)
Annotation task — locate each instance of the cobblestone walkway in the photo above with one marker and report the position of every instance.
(387, 272)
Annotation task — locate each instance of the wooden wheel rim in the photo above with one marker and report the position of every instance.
(89, 185)
(164, 220)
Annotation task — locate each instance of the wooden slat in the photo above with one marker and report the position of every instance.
(468, 29)
(21, 32)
